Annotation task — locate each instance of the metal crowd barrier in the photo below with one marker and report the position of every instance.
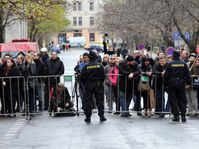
(12, 96)
(154, 100)
(45, 93)
(34, 94)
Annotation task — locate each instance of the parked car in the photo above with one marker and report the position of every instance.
(97, 47)
(77, 41)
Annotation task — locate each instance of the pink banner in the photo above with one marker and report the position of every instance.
(19, 46)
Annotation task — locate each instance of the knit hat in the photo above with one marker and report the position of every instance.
(43, 49)
(130, 58)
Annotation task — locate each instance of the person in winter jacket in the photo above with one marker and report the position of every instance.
(20, 65)
(29, 72)
(60, 99)
(10, 87)
(146, 71)
(111, 83)
(55, 69)
(128, 82)
(158, 85)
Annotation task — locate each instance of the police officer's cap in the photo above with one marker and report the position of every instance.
(92, 55)
(176, 54)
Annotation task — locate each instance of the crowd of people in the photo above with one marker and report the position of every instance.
(22, 77)
(118, 78)
(140, 76)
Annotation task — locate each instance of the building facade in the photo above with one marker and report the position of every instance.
(17, 30)
(83, 16)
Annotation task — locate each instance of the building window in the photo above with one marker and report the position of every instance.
(80, 21)
(79, 6)
(92, 37)
(91, 6)
(74, 21)
(77, 35)
(92, 21)
(74, 6)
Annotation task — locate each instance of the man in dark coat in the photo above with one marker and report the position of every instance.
(158, 85)
(41, 71)
(55, 65)
(55, 69)
(128, 82)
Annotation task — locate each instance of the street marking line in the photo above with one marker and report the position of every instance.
(7, 138)
(21, 120)
(12, 132)
(14, 128)
(10, 135)
(19, 123)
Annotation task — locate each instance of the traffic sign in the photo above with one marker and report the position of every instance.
(170, 50)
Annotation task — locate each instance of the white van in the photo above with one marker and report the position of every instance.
(77, 41)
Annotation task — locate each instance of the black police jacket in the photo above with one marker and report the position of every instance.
(93, 71)
(177, 69)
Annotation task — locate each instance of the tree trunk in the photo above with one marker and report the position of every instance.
(2, 34)
(2, 27)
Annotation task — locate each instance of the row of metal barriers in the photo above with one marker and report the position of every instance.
(34, 94)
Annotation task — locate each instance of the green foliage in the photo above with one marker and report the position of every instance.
(43, 16)
(55, 22)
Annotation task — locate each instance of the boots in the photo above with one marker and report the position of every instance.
(87, 119)
(183, 118)
(176, 118)
(102, 119)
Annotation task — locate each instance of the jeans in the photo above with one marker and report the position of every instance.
(40, 93)
(137, 99)
(125, 100)
(160, 100)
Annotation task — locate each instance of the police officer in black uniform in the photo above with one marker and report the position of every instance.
(92, 76)
(177, 77)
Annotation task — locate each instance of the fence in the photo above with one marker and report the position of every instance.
(34, 94)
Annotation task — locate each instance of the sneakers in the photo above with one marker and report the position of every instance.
(116, 113)
(124, 114)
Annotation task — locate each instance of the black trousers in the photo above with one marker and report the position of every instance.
(116, 96)
(177, 96)
(95, 89)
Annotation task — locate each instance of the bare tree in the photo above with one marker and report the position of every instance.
(148, 18)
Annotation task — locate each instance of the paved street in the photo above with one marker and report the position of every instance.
(45, 132)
